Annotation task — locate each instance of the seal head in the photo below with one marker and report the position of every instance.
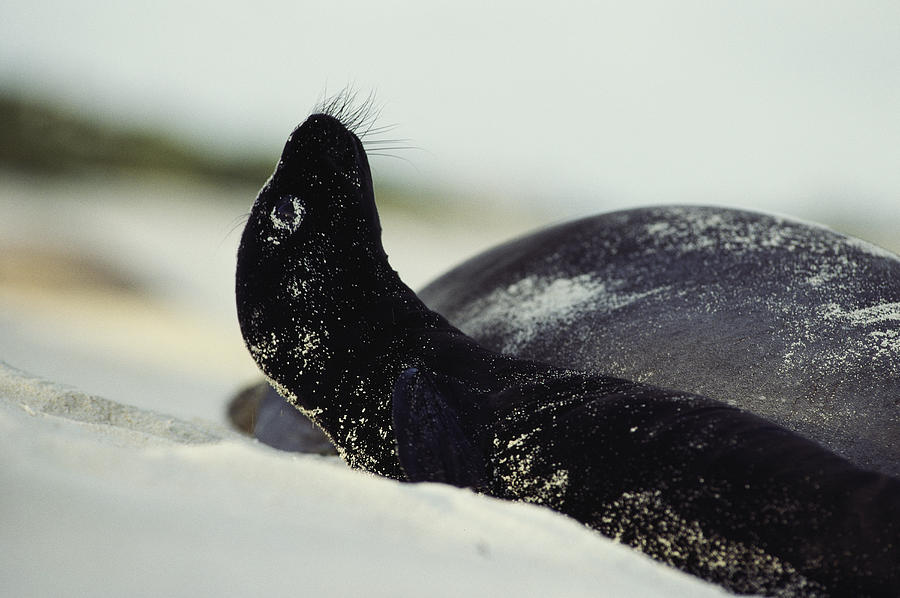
(312, 241)
(317, 301)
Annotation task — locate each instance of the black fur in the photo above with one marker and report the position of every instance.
(784, 319)
(691, 481)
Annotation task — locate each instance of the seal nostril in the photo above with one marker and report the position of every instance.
(287, 213)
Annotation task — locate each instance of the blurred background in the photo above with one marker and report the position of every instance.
(134, 136)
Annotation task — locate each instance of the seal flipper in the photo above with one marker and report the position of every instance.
(431, 444)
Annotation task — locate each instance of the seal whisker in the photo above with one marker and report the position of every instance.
(384, 155)
(235, 223)
(393, 148)
(381, 143)
(378, 130)
(388, 140)
(358, 117)
(370, 112)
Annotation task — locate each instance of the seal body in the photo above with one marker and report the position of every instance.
(692, 481)
(784, 319)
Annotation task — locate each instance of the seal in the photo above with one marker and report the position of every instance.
(785, 319)
(692, 481)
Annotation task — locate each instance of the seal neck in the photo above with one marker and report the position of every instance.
(372, 334)
(323, 314)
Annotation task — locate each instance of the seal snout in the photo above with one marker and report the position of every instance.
(322, 134)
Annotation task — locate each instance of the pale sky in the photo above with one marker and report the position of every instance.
(582, 106)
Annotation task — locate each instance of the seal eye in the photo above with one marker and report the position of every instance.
(287, 213)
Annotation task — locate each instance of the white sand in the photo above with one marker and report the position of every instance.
(102, 499)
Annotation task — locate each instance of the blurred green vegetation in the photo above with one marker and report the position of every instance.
(45, 139)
